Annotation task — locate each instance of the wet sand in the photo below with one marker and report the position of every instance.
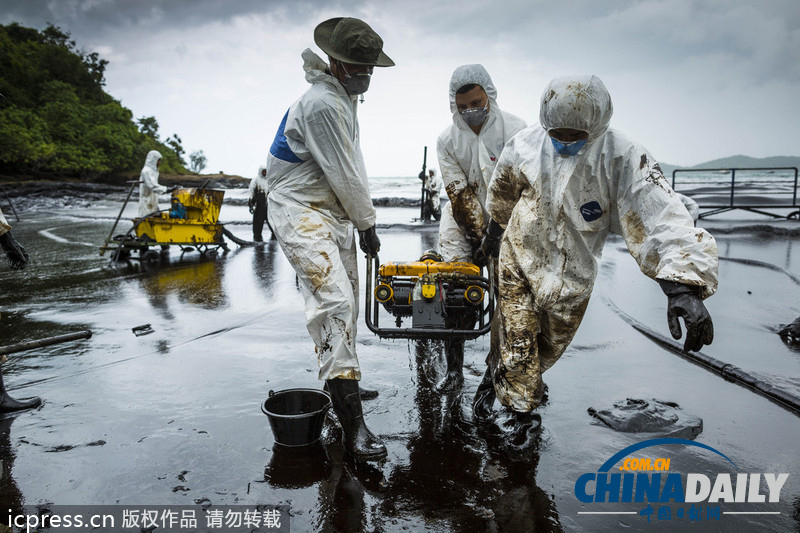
(174, 418)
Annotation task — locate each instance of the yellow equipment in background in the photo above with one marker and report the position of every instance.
(191, 222)
(442, 300)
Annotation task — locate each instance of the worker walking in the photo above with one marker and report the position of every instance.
(318, 196)
(258, 203)
(559, 189)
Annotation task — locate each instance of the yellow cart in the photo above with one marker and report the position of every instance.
(191, 223)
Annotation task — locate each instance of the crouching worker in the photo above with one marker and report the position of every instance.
(558, 190)
(318, 195)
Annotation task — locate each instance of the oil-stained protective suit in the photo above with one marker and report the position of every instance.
(558, 211)
(433, 188)
(4, 225)
(466, 161)
(258, 202)
(318, 191)
(149, 189)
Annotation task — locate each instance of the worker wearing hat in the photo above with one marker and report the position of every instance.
(319, 195)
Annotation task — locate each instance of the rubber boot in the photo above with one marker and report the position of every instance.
(454, 379)
(366, 394)
(525, 431)
(9, 404)
(358, 439)
(484, 399)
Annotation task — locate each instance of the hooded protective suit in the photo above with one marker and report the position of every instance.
(5, 227)
(466, 161)
(149, 189)
(558, 212)
(259, 183)
(318, 191)
(432, 184)
(258, 202)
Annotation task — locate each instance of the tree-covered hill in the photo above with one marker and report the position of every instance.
(57, 121)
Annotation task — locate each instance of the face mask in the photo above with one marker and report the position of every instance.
(475, 116)
(568, 149)
(357, 83)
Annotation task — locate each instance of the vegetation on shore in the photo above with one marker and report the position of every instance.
(56, 121)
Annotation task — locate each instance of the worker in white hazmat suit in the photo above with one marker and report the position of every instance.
(432, 184)
(17, 255)
(318, 196)
(257, 203)
(149, 189)
(558, 190)
(17, 259)
(468, 150)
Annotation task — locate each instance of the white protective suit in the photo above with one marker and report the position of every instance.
(433, 186)
(149, 189)
(5, 227)
(259, 183)
(318, 191)
(466, 161)
(558, 211)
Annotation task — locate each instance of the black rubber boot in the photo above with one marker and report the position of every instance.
(525, 431)
(358, 439)
(454, 379)
(484, 399)
(366, 394)
(9, 404)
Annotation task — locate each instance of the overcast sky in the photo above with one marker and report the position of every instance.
(692, 80)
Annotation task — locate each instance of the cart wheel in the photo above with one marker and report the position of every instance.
(151, 257)
(121, 254)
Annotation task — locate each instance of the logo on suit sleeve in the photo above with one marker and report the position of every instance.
(591, 211)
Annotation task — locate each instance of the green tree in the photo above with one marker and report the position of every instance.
(56, 118)
(197, 161)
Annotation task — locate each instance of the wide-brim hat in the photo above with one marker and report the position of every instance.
(352, 41)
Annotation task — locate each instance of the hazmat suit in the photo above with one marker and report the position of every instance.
(258, 202)
(17, 255)
(318, 195)
(318, 192)
(558, 211)
(466, 161)
(432, 184)
(149, 189)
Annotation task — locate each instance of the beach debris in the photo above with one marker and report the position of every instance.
(790, 334)
(657, 417)
(144, 329)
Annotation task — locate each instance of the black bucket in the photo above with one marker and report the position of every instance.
(296, 416)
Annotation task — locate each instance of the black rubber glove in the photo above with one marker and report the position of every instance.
(17, 256)
(683, 301)
(490, 244)
(251, 205)
(368, 241)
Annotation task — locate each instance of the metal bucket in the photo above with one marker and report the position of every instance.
(296, 416)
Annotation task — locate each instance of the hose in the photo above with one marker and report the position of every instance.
(728, 371)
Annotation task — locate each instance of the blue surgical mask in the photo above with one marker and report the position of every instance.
(568, 149)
